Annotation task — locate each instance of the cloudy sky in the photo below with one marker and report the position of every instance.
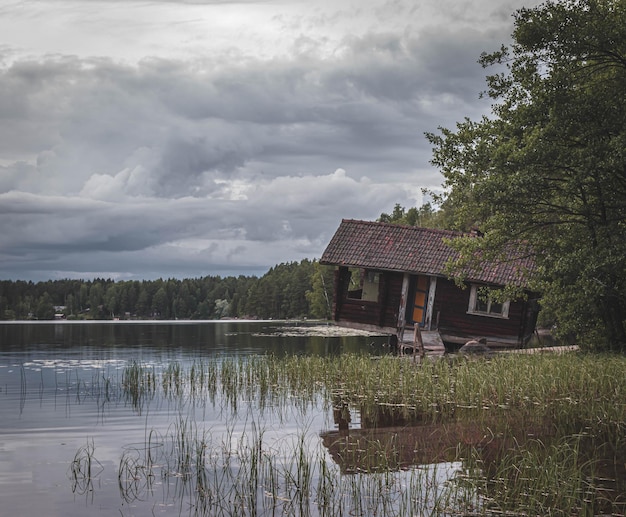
(182, 138)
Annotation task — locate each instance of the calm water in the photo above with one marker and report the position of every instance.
(60, 394)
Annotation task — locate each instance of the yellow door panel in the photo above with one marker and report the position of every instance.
(420, 299)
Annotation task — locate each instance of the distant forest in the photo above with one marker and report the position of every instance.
(289, 290)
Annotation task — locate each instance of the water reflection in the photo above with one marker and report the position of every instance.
(167, 340)
(487, 453)
(390, 442)
(62, 386)
(83, 470)
(204, 426)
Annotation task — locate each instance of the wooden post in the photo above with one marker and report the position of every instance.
(431, 302)
(418, 342)
(402, 309)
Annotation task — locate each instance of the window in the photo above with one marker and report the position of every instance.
(481, 302)
(369, 282)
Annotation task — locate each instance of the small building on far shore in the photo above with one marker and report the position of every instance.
(391, 278)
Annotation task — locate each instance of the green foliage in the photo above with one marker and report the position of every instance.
(45, 307)
(291, 290)
(425, 216)
(282, 291)
(320, 296)
(548, 167)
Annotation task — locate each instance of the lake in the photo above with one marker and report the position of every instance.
(75, 440)
(269, 418)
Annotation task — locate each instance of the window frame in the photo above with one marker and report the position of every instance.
(370, 277)
(474, 298)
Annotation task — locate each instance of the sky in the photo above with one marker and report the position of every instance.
(144, 139)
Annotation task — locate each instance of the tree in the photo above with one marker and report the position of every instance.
(222, 309)
(320, 296)
(83, 297)
(425, 216)
(283, 292)
(45, 307)
(160, 303)
(112, 299)
(143, 301)
(549, 166)
(96, 293)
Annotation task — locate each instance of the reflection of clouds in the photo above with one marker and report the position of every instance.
(96, 364)
(137, 442)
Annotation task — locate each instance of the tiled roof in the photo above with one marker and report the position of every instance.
(411, 249)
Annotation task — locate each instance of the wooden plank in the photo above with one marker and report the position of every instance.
(431, 302)
(404, 293)
(544, 350)
(433, 344)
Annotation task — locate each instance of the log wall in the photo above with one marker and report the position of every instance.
(451, 304)
(449, 311)
(382, 313)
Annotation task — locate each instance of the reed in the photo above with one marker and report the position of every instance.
(139, 383)
(83, 469)
(536, 435)
(583, 390)
(572, 387)
(259, 478)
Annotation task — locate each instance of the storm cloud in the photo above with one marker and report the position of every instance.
(185, 138)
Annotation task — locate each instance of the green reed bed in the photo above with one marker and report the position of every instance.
(139, 383)
(578, 389)
(544, 479)
(530, 434)
(554, 427)
(216, 475)
(585, 388)
(267, 381)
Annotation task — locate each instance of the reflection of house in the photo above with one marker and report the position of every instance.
(389, 439)
(392, 277)
(392, 448)
(392, 440)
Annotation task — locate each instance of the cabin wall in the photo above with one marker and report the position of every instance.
(381, 314)
(450, 308)
(451, 304)
(529, 320)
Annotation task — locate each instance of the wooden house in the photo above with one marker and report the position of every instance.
(391, 278)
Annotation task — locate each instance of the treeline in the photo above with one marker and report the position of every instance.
(289, 290)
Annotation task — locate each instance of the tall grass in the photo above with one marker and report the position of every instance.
(253, 476)
(139, 383)
(532, 435)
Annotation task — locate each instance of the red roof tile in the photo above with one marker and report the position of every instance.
(411, 249)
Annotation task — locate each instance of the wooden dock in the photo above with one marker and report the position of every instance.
(433, 346)
(432, 342)
(542, 350)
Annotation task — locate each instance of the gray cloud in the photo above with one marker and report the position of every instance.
(230, 161)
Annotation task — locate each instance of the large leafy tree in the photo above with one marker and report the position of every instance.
(548, 167)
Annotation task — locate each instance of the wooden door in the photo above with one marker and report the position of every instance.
(419, 299)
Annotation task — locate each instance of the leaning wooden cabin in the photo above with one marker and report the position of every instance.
(401, 281)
